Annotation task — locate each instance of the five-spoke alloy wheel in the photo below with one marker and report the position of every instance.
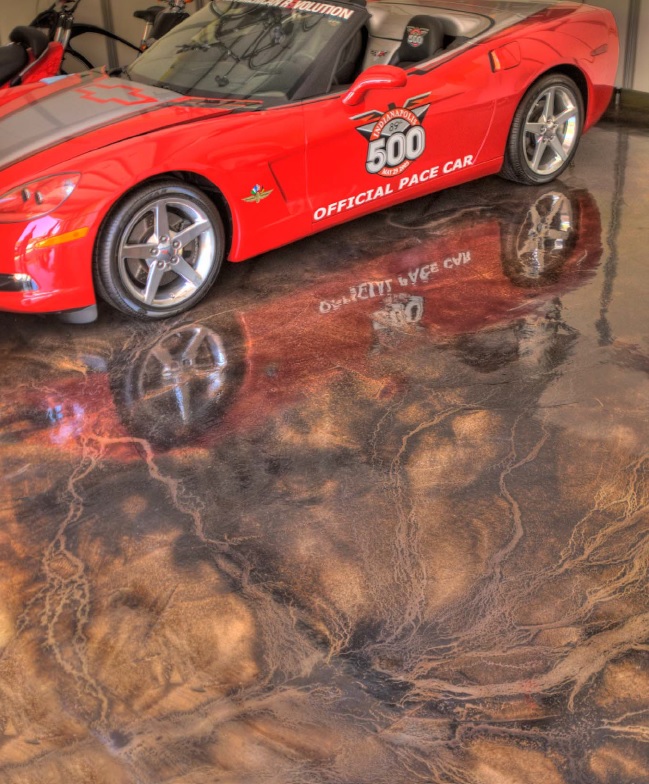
(159, 250)
(545, 132)
(540, 237)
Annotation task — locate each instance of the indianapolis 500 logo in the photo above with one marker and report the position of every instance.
(396, 137)
(416, 36)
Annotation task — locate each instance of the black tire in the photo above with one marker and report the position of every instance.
(170, 280)
(521, 146)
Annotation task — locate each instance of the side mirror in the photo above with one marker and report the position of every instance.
(377, 77)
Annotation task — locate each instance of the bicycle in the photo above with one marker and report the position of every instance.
(158, 21)
(61, 26)
(29, 57)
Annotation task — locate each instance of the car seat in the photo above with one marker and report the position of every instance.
(423, 38)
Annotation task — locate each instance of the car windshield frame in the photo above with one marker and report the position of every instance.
(265, 50)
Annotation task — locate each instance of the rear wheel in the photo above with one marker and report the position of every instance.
(159, 250)
(539, 241)
(545, 132)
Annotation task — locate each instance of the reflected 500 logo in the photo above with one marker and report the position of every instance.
(396, 137)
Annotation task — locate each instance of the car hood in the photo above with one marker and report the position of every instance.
(76, 108)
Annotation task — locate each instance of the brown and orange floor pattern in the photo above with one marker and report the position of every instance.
(376, 512)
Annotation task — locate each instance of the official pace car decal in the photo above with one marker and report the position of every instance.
(416, 36)
(391, 289)
(386, 190)
(396, 137)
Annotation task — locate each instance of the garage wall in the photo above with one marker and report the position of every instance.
(118, 16)
(620, 9)
(641, 78)
(12, 14)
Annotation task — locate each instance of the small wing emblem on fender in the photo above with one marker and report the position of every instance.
(257, 193)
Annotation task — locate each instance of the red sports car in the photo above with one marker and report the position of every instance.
(256, 122)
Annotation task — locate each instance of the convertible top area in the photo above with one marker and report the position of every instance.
(460, 22)
(388, 19)
(497, 10)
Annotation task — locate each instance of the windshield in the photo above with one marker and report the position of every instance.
(243, 49)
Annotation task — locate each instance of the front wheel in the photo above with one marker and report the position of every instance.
(545, 131)
(159, 250)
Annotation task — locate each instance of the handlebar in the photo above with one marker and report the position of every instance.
(65, 3)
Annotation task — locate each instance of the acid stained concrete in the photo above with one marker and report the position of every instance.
(375, 511)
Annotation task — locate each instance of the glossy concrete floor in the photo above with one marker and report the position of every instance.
(375, 513)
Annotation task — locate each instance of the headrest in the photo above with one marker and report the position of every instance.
(30, 38)
(422, 38)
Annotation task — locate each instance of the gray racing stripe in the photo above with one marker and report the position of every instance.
(72, 112)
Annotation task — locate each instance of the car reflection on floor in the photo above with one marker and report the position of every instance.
(476, 280)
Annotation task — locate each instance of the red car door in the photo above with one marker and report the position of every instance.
(398, 143)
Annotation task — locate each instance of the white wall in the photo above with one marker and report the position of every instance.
(639, 76)
(17, 13)
(620, 9)
(641, 79)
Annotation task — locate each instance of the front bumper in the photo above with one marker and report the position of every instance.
(37, 279)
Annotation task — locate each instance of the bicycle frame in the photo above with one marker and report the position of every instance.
(63, 29)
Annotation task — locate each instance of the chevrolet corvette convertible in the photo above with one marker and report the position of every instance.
(257, 122)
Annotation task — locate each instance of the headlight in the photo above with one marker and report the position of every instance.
(37, 198)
